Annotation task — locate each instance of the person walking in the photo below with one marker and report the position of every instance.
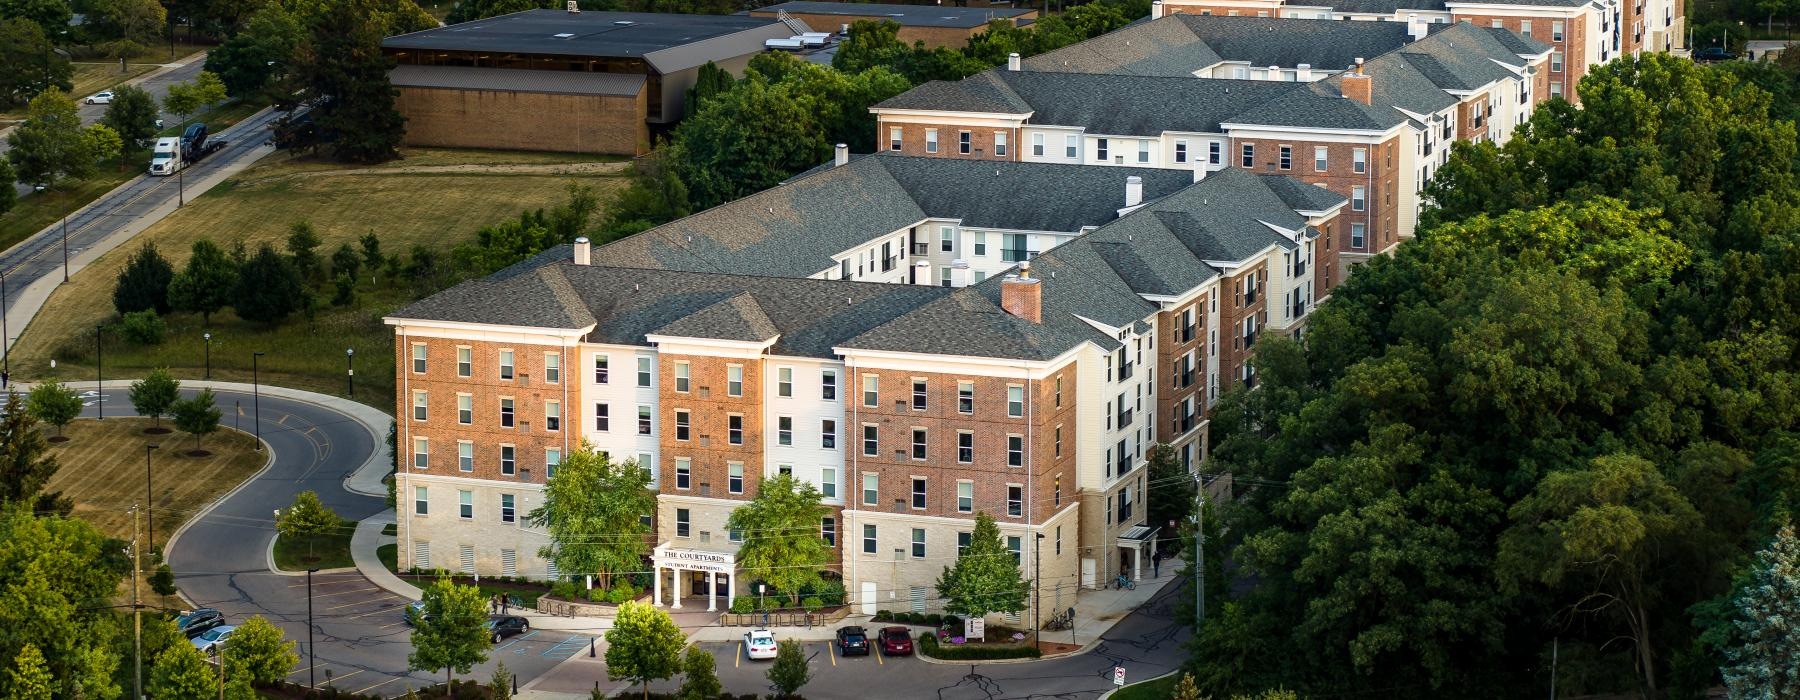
(1156, 565)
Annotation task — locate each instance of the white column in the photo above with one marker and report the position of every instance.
(730, 589)
(656, 585)
(675, 583)
(712, 590)
(1137, 562)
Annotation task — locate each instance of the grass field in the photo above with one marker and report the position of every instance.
(329, 551)
(435, 210)
(90, 78)
(1159, 689)
(102, 469)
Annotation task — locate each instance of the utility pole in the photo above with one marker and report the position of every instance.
(137, 616)
(99, 371)
(221, 672)
(1037, 588)
(1199, 553)
(150, 510)
(65, 237)
(312, 651)
(256, 404)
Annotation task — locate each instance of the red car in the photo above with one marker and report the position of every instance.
(896, 641)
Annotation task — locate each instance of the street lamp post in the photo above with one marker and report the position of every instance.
(150, 509)
(65, 239)
(350, 365)
(99, 366)
(1037, 590)
(208, 337)
(256, 405)
(6, 370)
(312, 650)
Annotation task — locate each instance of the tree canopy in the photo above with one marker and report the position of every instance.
(780, 530)
(450, 633)
(984, 579)
(591, 508)
(29, 63)
(643, 645)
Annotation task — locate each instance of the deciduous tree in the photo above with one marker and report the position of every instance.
(132, 115)
(309, 518)
(985, 579)
(303, 247)
(259, 652)
(184, 99)
(55, 404)
(700, 673)
(206, 284)
(181, 672)
(197, 416)
(252, 61)
(28, 678)
(60, 575)
(782, 545)
(29, 63)
(789, 672)
(155, 394)
(50, 16)
(450, 633)
(50, 144)
(269, 288)
(144, 283)
(590, 507)
(644, 645)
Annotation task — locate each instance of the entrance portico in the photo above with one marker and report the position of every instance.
(711, 568)
(1137, 539)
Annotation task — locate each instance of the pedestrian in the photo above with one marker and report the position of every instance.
(1156, 565)
(503, 602)
(5, 379)
(493, 605)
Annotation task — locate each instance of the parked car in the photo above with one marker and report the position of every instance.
(414, 612)
(100, 98)
(759, 644)
(210, 641)
(852, 641)
(195, 622)
(895, 641)
(1715, 53)
(503, 626)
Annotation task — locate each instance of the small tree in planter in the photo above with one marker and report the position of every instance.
(154, 395)
(789, 673)
(308, 518)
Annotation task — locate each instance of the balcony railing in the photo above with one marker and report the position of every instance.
(921, 248)
(1014, 255)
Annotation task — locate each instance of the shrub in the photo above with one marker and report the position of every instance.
(831, 592)
(928, 645)
(812, 603)
(743, 606)
(597, 595)
(934, 619)
(567, 590)
(143, 327)
(621, 592)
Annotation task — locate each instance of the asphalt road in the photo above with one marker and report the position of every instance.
(157, 86)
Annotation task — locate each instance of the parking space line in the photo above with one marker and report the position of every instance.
(391, 626)
(514, 640)
(378, 685)
(300, 670)
(317, 596)
(388, 609)
(573, 643)
(739, 658)
(345, 578)
(335, 679)
(832, 650)
(346, 605)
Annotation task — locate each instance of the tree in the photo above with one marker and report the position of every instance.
(251, 61)
(308, 518)
(1185, 688)
(644, 645)
(302, 245)
(50, 144)
(345, 262)
(1766, 662)
(155, 394)
(1172, 499)
(184, 99)
(25, 466)
(59, 575)
(340, 68)
(746, 140)
(500, 688)
(207, 284)
(590, 508)
(50, 16)
(259, 652)
(470, 10)
(450, 633)
(985, 578)
(269, 288)
(371, 252)
(197, 416)
(655, 196)
(55, 404)
(709, 81)
(28, 678)
(144, 283)
(29, 63)
(102, 143)
(132, 115)
(782, 545)
(701, 675)
(8, 196)
(181, 672)
(137, 20)
(789, 672)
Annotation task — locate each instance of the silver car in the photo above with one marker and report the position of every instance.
(212, 639)
(100, 98)
(759, 644)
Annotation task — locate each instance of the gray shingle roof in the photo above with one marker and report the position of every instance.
(514, 80)
(982, 92)
(668, 42)
(1384, 7)
(1178, 45)
(1516, 42)
(1166, 47)
(1317, 106)
(736, 318)
(530, 296)
(1301, 196)
(904, 15)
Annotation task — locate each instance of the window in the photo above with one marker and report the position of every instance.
(868, 539)
(1287, 157)
(1248, 155)
(918, 394)
(1356, 235)
(734, 429)
(1037, 145)
(643, 372)
(784, 469)
(1556, 89)
(736, 535)
(684, 473)
(784, 430)
(507, 512)
(1497, 24)
(734, 380)
(506, 413)
(421, 453)
(553, 367)
(1059, 391)
(1525, 27)
(602, 417)
(1056, 491)
(828, 482)
(1359, 160)
(918, 543)
(871, 390)
(735, 477)
(465, 364)
(602, 369)
(1015, 450)
(1319, 158)
(643, 420)
(465, 456)
(682, 526)
(931, 140)
(509, 464)
(1012, 545)
(828, 530)
(828, 434)
(681, 425)
(1058, 441)
(999, 143)
(784, 382)
(552, 415)
(918, 443)
(1214, 152)
(1015, 500)
(681, 376)
(1015, 401)
(1143, 151)
(1358, 198)
(893, 138)
(828, 385)
(946, 238)
(465, 505)
(1071, 148)
(552, 460)
(1181, 151)
(963, 142)
(962, 542)
(965, 397)
(918, 492)
(871, 491)
(965, 496)
(1100, 149)
(1059, 540)
(506, 364)
(965, 447)
(871, 440)
(420, 400)
(418, 358)
(1556, 61)
(1556, 30)
(465, 409)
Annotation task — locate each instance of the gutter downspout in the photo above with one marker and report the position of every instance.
(405, 439)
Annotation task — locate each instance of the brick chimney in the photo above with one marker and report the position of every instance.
(1357, 85)
(583, 253)
(1023, 296)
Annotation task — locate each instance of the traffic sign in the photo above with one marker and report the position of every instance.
(1119, 675)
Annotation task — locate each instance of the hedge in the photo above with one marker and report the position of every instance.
(928, 645)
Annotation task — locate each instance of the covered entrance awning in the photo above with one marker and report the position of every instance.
(712, 564)
(1137, 539)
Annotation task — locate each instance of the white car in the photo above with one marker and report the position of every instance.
(100, 98)
(759, 644)
(212, 639)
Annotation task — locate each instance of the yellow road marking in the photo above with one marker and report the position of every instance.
(832, 650)
(335, 679)
(735, 660)
(371, 612)
(378, 685)
(878, 655)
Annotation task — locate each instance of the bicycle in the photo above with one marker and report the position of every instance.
(1124, 583)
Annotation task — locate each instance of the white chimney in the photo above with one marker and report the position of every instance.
(1303, 73)
(843, 155)
(1156, 10)
(1134, 191)
(960, 274)
(922, 273)
(1012, 61)
(1415, 28)
(583, 254)
(1199, 173)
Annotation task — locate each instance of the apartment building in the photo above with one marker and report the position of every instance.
(911, 405)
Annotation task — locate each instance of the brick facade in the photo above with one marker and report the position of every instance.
(1573, 46)
(981, 140)
(529, 121)
(711, 407)
(1237, 306)
(441, 386)
(1380, 181)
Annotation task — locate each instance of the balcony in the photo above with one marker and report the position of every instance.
(921, 248)
(1124, 419)
(1015, 254)
(1250, 296)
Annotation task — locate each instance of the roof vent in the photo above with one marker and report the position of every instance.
(841, 155)
(583, 253)
(1012, 61)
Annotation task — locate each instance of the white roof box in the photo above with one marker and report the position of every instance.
(783, 43)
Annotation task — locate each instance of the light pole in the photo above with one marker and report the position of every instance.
(99, 366)
(7, 360)
(150, 509)
(208, 337)
(312, 651)
(1037, 590)
(65, 237)
(350, 365)
(256, 406)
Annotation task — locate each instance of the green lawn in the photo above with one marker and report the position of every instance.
(1159, 689)
(331, 551)
(390, 556)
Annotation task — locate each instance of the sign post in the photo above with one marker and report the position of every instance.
(1119, 676)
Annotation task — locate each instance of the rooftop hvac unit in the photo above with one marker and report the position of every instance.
(794, 43)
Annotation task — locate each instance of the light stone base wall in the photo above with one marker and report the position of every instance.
(1099, 538)
(446, 532)
(896, 575)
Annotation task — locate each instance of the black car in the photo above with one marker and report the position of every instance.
(194, 623)
(852, 641)
(503, 626)
(1716, 53)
